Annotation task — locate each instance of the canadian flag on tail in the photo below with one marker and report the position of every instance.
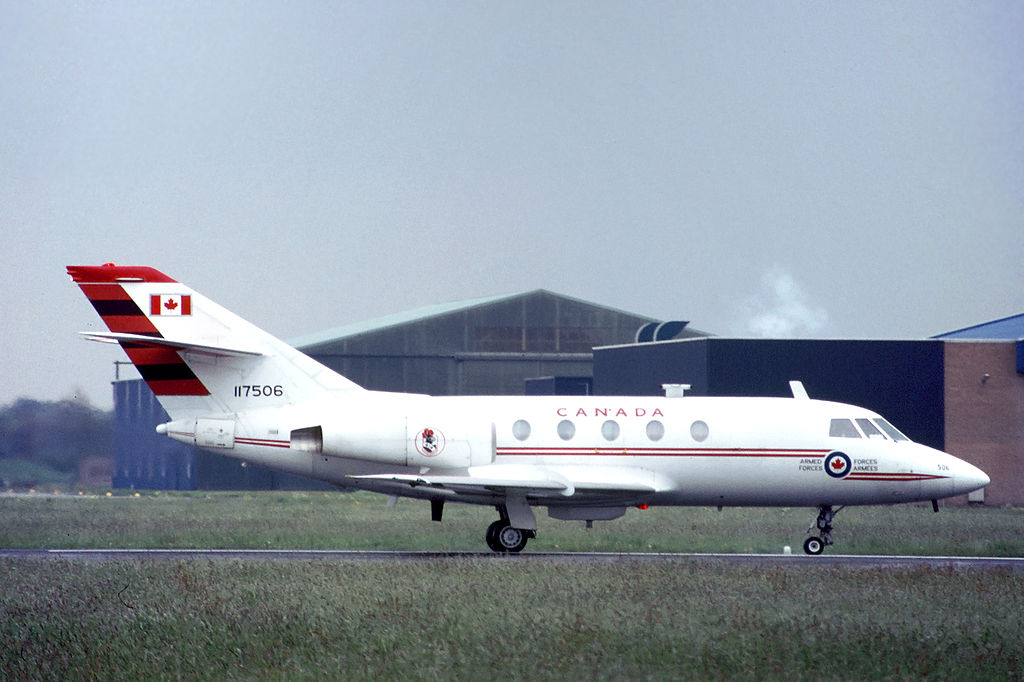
(170, 304)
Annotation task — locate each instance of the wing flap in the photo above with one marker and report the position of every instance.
(540, 480)
(488, 483)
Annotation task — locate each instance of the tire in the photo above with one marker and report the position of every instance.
(492, 535)
(511, 539)
(814, 546)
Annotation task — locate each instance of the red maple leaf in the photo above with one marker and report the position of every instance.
(838, 463)
(171, 304)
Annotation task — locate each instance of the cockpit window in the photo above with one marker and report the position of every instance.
(843, 428)
(893, 432)
(869, 429)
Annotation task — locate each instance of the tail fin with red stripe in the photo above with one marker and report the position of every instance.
(197, 357)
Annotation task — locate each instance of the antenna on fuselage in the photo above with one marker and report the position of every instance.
(675, 390)
(799, 392)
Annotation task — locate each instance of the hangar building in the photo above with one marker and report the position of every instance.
(486, 346)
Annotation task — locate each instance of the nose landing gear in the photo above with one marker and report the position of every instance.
(816, 544)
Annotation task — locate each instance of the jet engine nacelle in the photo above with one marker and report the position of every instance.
(441, 439)
(433, 439)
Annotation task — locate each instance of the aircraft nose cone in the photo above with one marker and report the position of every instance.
(967, 477)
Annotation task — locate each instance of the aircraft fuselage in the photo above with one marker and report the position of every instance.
(683, 451)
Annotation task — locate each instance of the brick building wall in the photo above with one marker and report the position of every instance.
(984, 397)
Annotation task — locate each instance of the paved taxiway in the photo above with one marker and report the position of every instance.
(762, 560)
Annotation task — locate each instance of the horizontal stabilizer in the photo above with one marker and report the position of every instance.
(144, 340)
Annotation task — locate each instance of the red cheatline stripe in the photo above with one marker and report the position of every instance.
(862, 476)
(264, 442)
(663, 452)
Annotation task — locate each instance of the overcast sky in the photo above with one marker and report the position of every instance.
(808, 169)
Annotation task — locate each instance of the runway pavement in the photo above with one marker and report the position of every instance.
(761, 560)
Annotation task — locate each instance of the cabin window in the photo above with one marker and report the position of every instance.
(893, 432)
(699, 430)
(843, 428)
(869, 429)
(610, 430)
(566, 429)
(655, 430)
(521, 429)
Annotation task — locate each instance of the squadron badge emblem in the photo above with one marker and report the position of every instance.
(429, 442)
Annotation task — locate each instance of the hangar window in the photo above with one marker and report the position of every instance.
(521, 429)
(566, 429)
(699, 430)
(869, 429)
(610, 430)
(843, 428)
(655, 430)
(893, 432)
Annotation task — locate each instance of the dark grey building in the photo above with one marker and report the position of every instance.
(901, 380)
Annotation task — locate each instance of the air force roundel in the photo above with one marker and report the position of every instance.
(837, 464)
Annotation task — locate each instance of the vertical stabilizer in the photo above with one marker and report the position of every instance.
(197, 357)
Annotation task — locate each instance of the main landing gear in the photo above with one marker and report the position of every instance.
(502, 537)
(816, 544)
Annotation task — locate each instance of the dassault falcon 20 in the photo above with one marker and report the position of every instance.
(236, 390)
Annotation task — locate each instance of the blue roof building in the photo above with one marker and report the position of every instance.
(1006, 329)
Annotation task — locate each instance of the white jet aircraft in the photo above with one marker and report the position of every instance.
(234, 389)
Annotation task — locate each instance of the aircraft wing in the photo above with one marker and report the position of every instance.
(534, 480)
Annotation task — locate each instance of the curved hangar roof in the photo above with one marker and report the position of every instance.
(538, 320)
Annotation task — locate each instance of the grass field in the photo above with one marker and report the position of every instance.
(477, 618)
(328, 520)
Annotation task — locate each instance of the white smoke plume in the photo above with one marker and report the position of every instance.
(782, 308)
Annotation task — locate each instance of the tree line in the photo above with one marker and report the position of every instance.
(44, 443)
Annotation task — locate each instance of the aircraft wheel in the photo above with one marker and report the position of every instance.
(511, 539)
(492, 535)
(814, 546)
